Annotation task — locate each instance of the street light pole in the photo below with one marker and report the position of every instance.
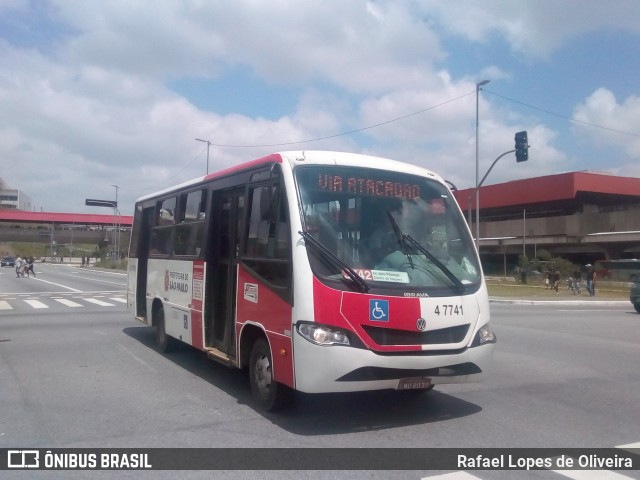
(116, 236)
(208, 145)
(478, 85)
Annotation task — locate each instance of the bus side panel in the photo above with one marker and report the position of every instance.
(132, 279)
(197, 301)
(172, 281)
(258, 305)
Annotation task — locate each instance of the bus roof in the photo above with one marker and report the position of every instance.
(300, 157)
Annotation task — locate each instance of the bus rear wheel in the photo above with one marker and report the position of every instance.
(269, 394)
(163, 341)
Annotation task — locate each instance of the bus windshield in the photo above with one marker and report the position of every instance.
(395, 230)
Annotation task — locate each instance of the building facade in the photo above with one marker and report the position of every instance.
(10, 198)
(581, 216)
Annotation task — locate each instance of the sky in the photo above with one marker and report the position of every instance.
(106, 98)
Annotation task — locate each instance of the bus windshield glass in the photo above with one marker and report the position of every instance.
(395, 230)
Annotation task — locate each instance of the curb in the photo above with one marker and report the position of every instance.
(520, 301)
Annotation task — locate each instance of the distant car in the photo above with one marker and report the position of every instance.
(8, 262)
(634, 296)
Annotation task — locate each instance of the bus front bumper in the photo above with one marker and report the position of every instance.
(339, 368)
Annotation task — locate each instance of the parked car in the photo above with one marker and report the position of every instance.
(634, 296)
(8, 262)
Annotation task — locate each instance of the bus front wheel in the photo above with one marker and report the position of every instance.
(269, 394)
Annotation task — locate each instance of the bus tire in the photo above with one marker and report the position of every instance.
(269, 394)
(163, 341)
(637, 307)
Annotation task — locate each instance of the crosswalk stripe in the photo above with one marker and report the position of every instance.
(630, 447)
(98, 302)
(573, 474)
(592, 475)
(75, 303)
(68, 303)
(453, 476)
(36, 303)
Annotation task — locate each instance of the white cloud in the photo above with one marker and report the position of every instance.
(93, 107)
(616, 122)
(533, 27)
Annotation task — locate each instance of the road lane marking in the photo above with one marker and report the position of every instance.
(57, 284)
(136, 358)
(4, 305)
(116, 299)
(36, 303)
(67, 302)
(98, 302)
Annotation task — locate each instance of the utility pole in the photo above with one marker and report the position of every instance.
(208, 145)
(478, 85)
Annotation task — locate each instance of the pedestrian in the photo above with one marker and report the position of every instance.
(30, 263)
(83, 260)
(555, 280)
(18, 265)
(591, 280)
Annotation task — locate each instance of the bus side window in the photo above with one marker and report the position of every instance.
(267, 245)
(166, 212)
(262, 222)
(189, 231)
(162, 232)
(194, 205)
(161, 240)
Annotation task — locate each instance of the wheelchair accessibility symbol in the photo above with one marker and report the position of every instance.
(379, 310)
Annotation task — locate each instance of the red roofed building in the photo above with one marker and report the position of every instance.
(21, 216)
(584, 216)
(56, 229)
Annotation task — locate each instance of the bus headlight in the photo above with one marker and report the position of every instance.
(322, 335)
(486, 335)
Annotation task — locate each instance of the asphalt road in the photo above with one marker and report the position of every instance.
(83, 373)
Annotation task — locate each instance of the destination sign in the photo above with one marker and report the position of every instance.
(368, 187)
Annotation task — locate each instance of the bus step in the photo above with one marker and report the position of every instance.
(220, 356)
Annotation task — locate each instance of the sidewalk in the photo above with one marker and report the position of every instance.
(507, 291)
(585, 301)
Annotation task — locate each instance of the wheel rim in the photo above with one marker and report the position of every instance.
(262, 375)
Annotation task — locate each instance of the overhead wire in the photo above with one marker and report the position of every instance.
(565, 117)
(350, 132)
(393, 120)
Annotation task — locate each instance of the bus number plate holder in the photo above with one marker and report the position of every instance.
(414, 383)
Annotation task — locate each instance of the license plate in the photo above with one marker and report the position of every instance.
(414, 383)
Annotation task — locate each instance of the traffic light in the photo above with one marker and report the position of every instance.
(522, 147)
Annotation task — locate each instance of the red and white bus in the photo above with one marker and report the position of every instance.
(318, 271)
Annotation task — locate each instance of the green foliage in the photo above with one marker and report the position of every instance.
(523, 261)
(543, 255)
(564, 266)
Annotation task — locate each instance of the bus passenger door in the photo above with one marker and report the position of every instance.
(229, 213)
(143, 258)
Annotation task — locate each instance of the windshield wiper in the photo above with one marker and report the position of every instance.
(350, 272)
(401, 238)
(450, 275)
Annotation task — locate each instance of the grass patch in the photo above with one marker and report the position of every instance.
(509, 288)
